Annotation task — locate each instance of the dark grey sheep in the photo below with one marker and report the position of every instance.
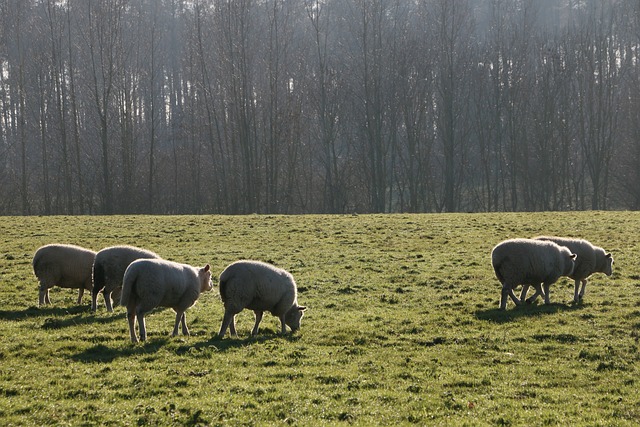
(108, 271)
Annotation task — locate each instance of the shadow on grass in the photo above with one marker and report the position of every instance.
(58, 317)
(33, 312)
(103, 354)
(527, 310)
(55, 323)
(231, 343)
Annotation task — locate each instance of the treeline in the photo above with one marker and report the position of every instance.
(328, 106)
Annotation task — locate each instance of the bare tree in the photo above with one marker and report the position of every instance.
(56, 21)
(237, 56)
(453, 25)
(598, 96)
(18, 102)
(103, 38)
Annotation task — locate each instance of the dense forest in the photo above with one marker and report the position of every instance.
(318, 106)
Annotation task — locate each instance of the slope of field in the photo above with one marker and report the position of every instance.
(402, 327)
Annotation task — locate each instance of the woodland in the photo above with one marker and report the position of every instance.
(318, 106)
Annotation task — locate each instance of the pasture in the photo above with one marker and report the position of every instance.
(402, 327)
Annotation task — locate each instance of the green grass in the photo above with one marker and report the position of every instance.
(402, 328)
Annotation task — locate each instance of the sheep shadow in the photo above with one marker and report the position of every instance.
(58, 317)
(34, 312)
(79, 320)
(527, 310)
(225, 344)
(100, 353)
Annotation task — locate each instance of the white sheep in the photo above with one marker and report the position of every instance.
(67, 266)
(591, 259)
(108, 271)
(529, 262)
(259, 287)
(150, 283)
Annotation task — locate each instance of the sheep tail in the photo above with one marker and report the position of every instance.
(499, 274)
(224, 280)
(223, 289)
(127, 289)
(36, 263)
(98, 277)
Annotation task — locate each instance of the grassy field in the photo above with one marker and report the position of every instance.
(402, 328)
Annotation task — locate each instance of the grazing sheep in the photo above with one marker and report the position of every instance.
(259, 287)
(529, 262)
(67, 266)
(108, 271)
(150, 283)
(591, 259)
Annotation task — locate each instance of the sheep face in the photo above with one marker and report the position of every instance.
(570, 262)
(608, 266)
(293, 317)
(204, 274)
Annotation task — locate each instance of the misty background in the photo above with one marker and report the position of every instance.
(318, 106)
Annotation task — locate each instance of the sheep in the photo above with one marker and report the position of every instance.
(108, 271)
(260, 287)
(67, 266)
(529, 262)
(591, 259)
(150, 283)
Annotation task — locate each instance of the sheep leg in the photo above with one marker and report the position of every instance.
(503, 298)
(232, 327)
(534, 297)
(115, 297)
(43, 296)
(185, 330)
(258, 314)
(94, 299)
(523, 293)
(80, 293)
(107, 301)
(546, 293)
(577, 297)
(507, 291)
(142, 325)
(226, 320)
(131, 317)
(283, 324)
(181, 318)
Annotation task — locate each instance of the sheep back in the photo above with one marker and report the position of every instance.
(257, 286)
(590, 259)
(150, 283)
(67, 266)
(111, 263)
(531, 262)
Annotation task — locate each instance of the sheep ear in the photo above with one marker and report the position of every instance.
(206, 268)
(302, 307)
(574, 256)
(607, 255)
